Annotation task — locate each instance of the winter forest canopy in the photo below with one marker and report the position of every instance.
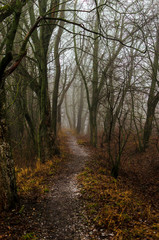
(88, 65)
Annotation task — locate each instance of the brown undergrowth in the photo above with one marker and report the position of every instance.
(115, 205)
(34, 181)
(31, 181)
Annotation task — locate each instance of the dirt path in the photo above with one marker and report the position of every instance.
(62, 213)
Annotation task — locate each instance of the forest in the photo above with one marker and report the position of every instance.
(79, 86)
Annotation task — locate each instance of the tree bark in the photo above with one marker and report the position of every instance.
(8, 192)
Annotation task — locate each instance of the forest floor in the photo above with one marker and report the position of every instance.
(50, 205)
(74, 197)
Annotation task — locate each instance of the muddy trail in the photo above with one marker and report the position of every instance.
(61, 215)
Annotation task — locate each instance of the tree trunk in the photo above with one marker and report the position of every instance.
(8, 193)
(58, 73)
(93, 127)
(149, 120)
(80, 111)
(67, 113)
(152, 99)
